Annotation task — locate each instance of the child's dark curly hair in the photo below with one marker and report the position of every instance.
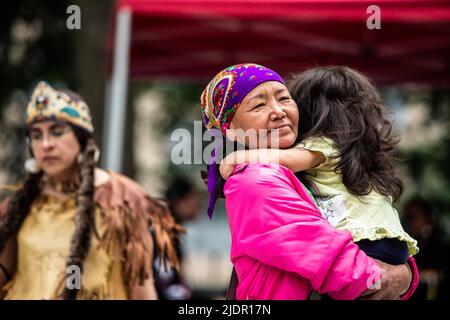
(340, 103)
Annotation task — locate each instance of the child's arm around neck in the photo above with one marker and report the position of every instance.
(295, 159)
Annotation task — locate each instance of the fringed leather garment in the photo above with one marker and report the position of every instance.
(128, 222)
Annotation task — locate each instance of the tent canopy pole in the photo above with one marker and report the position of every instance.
(116, 94)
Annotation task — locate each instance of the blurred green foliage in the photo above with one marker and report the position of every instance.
(34, 45)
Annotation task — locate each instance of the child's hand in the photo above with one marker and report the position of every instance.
(226, 170)
(228, 164)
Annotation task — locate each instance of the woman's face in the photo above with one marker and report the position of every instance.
(55, 148)
(267, 108)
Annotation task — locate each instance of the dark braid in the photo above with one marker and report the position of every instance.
(81, 240)
(18, 208)
(20, 203)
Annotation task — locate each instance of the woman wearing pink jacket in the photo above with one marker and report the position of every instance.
(282, 247)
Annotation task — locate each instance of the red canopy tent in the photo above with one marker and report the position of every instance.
(194, 39)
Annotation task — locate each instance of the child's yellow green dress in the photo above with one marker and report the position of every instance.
(370, 217)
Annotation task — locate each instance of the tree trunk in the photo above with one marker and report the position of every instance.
(91, 57)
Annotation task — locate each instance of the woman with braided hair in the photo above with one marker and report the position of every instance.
(71, 219)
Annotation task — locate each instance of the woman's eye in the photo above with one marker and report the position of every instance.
(57, 132)
(258, 106)
(35, 135)
(284, 98)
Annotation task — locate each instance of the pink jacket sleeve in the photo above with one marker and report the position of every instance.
(274, 220)
(414, 281)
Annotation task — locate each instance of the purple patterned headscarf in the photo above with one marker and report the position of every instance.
(220, 100)
(225, 92)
